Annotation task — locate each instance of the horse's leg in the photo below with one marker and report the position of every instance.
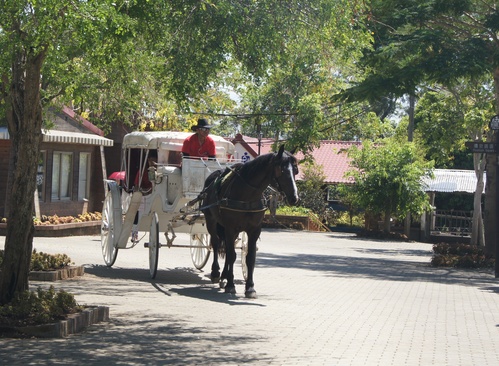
(222, 254)
(225, 273)
(230, 258)
(215, 244)
(250, 263)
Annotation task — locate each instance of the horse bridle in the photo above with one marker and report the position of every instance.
(278, 171)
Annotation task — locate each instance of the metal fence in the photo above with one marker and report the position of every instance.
(454, 222)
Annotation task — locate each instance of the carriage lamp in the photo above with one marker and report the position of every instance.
(151, 174)
(154, 176)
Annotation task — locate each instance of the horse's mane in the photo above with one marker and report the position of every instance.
(256, 165)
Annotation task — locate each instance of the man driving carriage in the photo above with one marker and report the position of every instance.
(200, 144)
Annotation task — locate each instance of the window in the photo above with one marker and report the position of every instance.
(332, 193)
(83, 176)
(40, 176)
(61, 175)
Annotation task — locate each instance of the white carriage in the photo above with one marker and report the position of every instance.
(166, 207)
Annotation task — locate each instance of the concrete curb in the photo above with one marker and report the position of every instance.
(75, 323)
(59, 274)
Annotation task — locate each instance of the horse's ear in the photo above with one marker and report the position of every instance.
(292, 151)
(280, 152)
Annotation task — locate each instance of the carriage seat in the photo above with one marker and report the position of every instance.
(170, 153)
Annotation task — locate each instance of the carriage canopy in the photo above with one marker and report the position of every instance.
(172, 141)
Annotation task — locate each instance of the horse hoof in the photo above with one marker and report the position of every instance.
(215, 279)
(250, 294)
(222, 283)
(230, 290)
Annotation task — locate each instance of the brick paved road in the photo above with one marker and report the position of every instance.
(324, 299)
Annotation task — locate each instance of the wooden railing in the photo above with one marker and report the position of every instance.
(454, 222)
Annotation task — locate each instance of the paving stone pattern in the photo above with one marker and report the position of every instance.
(324, 299)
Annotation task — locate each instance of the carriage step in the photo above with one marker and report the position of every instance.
(146, 245)
(192, 218)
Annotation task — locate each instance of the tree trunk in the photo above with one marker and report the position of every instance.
(24, 118)
(490, 205)
(490, 215)
(477, 230)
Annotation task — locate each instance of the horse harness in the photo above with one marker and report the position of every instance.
(226, 179)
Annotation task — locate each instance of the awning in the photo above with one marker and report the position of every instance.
(65, 137)
(452, 180)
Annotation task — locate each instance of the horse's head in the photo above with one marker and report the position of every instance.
(285, 168)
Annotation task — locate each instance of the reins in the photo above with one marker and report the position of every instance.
(225, 182)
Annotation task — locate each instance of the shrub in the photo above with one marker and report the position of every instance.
(342, 218)
(40, 307)
(45, 262)
(460, 256)
(293, 211)
(57, 220)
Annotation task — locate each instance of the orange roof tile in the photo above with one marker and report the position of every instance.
(331, 155)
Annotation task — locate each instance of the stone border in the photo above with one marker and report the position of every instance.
(74, 323)
(57, 275)
(71, 229)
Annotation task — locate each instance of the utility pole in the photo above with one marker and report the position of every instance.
(494, 126)
(260, 134)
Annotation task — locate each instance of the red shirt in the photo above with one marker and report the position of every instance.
(192, 148)
(145, 183)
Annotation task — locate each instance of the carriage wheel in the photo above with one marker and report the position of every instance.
(109, 250)
(200, 249)
(154, 245)
(244, 252)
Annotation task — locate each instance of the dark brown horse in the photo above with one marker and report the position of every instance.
(233, 202)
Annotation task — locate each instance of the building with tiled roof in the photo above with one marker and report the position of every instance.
(70, 166)
(331, 155)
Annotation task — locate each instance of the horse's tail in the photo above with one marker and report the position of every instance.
(221, 237)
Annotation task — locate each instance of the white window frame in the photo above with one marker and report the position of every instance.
(84, 175)
(61, 179)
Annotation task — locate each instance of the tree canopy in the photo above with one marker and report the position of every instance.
(388, 179)
(418, 42)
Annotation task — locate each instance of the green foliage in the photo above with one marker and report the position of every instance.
(460, 256)
(293, 99)
(448, 117)
(312, 192)
(45, 262)
(440, 127)
(425, 42)
(346, 219)
(388, 178)
(40, 307)
(292, 211)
